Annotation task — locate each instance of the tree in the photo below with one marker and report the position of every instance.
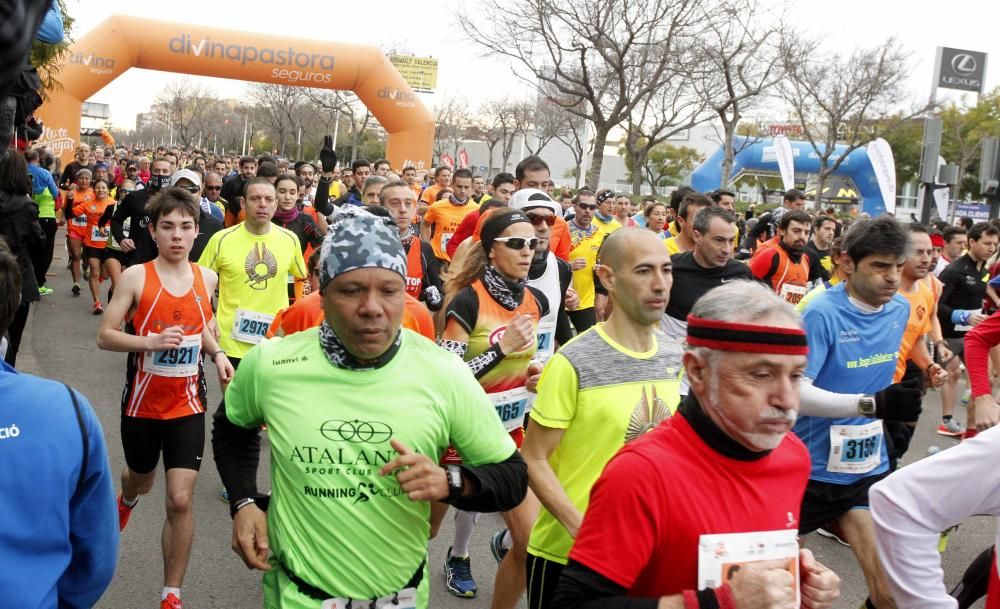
(345, 107)
(596, 59)
(837, 98)
(542, 119)
(575, 137)
(183, 106)
(669, 165)
(963, 130)
(280, 107)
(451, 122)
(734, 62)
(666, 112)
(499, 115)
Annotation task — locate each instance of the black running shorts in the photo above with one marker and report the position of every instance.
(182, 441)
(824, 501)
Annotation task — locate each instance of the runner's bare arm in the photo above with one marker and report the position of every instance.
(110, 335)
(542, 478)
(425, 231)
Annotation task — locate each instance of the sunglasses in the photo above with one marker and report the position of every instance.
(518, 243)
(213, 188)
(537, 219)
(191, 189)
(586, 207)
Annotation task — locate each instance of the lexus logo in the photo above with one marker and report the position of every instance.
(963, 64)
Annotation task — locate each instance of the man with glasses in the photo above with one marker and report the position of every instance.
(213, 189)
(586, 238)
(533, 172)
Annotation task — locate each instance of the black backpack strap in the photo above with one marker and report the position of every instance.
(83, 434)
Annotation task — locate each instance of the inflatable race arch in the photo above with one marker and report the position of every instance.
(122, 42)
(757, 154)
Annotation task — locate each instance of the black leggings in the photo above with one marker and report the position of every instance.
(975, 580)
(14, 333)
(42, 259)
(583, 319)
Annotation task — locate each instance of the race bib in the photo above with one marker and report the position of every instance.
(445, 238)
(180, 361)
(546, 340)
(405, 599)
(855, 449)
(720, 557)
(511, 406)
(250, 326)
(793, 293)
(79, 221)
(98, 234)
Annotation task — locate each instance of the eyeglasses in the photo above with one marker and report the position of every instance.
(518, 243)
(213, 187)
(537, 219)
(586, 207)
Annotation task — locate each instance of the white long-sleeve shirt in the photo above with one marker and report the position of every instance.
(913, 505)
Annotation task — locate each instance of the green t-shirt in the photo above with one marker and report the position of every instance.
(604, 396)
(333, 521)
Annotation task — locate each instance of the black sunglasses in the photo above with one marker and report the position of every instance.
(518, 243)
(213, 188)
(587, 207)
(537, 219)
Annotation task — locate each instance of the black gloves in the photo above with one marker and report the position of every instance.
(327, 157)
(900, 401)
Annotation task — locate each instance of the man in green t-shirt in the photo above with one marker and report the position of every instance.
(358, 413)
(603, 389)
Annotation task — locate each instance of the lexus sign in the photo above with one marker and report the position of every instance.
(962, 70)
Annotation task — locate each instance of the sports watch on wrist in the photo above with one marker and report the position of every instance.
(866, 406)
(455, 483)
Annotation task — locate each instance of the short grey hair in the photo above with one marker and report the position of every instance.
(703, 219)
(741, 302)
(372, 181)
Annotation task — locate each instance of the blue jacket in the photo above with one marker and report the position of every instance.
(59, 539)
(41, 179)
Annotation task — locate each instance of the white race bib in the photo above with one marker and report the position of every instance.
(180, 361)
(98, 234)
(546, 340)
(855, 449)
(511, 406)
(80, 220)
(250, 326)
(406, 599)
(445, 238)
(720, 557)
(793, 293)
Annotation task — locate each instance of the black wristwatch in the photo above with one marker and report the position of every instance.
(455, 484)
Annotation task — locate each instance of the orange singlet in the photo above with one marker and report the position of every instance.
(167, 384)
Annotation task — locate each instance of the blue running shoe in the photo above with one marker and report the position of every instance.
(458, 576)
(496, 546)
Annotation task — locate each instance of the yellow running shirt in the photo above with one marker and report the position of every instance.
(253, 281)
(585, 245)
(604, 396)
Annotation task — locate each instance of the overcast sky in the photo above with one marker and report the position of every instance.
(431, 31)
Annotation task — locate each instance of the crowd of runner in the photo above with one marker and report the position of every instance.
(660, 396)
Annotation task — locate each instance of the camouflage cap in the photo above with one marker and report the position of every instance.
(359, 240)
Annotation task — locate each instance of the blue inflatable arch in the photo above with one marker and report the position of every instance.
(758, 154)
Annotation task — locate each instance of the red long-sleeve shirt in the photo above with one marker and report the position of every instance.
(978, 342)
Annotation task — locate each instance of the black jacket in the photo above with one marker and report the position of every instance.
(134, 208)
(20, 229)
(964, 288)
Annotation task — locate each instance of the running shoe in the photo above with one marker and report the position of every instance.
(98, 308)
(833, 531)
(171, 602)
(224, 496)
(76, 289)
(968, 434)
(44, 291)
(124, 513)
(458, 576)
(951, 428)
(496, 546)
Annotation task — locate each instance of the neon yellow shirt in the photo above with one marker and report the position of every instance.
(586, 247)
(604, 396)
(253, 281)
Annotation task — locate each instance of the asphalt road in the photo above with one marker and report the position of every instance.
(59, 344)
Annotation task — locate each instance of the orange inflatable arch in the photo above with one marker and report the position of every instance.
(121, 42)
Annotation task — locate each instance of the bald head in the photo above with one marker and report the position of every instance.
(625, 244)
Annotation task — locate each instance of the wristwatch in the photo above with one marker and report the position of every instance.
(455, 484)
(866, 406)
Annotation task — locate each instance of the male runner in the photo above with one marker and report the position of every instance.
(640, 544)
(422, 281)
(138, 244)
(683, 239)
(586, 238)
(167, 305)
(604, 215)
(605, 388)
(768, 223)
(364, 410)
(956, 240)
(855, 330)
(443, 217)
(707, 266)
(442, 179)
(785, 266)
(818, 248)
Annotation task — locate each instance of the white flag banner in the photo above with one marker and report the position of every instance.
(786, 162)
(880, 155)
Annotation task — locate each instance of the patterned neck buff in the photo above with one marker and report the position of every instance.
(508, 294)
(338, 355)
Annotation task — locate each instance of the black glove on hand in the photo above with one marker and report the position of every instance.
(900, 401)
(327, 157)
